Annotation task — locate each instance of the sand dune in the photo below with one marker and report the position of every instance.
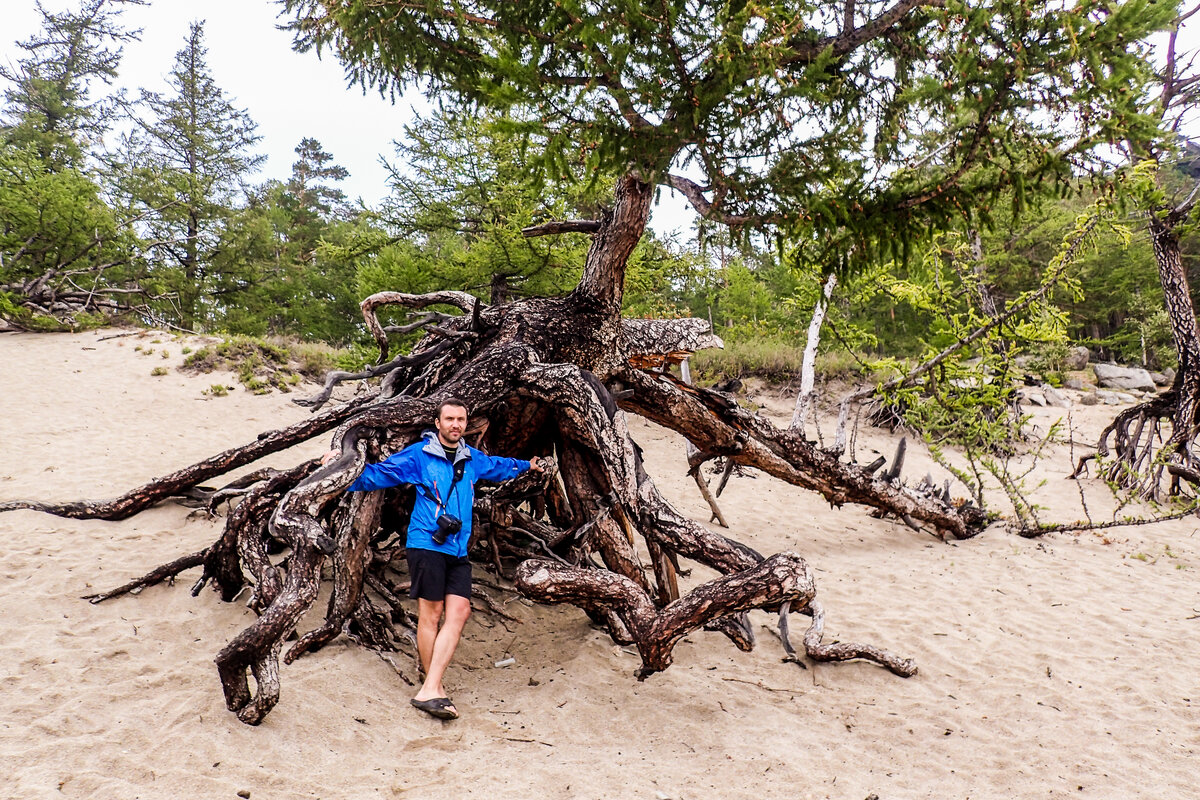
(1056, 668)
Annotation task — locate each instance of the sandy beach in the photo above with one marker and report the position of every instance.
(1052, 668)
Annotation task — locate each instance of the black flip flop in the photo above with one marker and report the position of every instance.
(439, 707)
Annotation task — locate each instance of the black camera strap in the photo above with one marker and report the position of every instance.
(460, 467)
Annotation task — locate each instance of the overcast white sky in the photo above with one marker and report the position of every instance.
(290, 95)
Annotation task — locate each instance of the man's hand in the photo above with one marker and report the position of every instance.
(536, 464)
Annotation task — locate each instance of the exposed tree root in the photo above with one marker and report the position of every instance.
(1136, 464)
(180, 481)
(717, 425)
(163, 572)
(1139, 453)
(655, 631)
(545, 377)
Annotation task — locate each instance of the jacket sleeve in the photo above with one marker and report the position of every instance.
(397, 469)
(496, 468)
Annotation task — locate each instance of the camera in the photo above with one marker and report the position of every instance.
(447, 526)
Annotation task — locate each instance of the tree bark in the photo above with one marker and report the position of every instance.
(808, 368)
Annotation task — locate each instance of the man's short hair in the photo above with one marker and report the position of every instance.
(452, 401)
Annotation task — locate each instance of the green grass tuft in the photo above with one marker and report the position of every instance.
(262, 365)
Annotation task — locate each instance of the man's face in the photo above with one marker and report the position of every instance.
(451, 424)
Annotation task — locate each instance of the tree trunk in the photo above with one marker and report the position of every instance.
(808, 369)
(1186, 333)
(1139, 463)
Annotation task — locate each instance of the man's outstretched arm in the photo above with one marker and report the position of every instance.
(397, 469)
(499, 468)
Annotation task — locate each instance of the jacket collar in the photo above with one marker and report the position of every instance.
(433, 446)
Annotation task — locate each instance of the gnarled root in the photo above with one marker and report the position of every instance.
(838, 651)
(160, 489)
(257, 647)
(717, 425)
(782, 578)
(1139, 460)
(350, 559)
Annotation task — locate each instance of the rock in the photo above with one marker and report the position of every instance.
(1089, 399)
(1054, 397)
(1107, 397)
(1170, 373)
(1125, 397)
(1074, 383)
(1110, 376)
(1160, 379)
(1034, 397)
(728, 385)
(1077, 358)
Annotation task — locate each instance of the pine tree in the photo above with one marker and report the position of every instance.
(859, 124)
(462, 190)
(64, 251)
(310, 282)
(190, 154)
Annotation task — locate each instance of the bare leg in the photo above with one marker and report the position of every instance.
(458, 609)
(429, 613)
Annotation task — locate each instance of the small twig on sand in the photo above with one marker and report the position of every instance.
(760, 685)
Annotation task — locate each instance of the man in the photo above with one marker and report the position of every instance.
(444, 469)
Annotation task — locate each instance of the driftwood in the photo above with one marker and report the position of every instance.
(547, 377)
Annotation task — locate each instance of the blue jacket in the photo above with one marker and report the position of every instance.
(425, 465)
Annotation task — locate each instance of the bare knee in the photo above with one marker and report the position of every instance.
(429, 611)
(458, 610)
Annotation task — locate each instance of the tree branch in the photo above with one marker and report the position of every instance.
(561, 226)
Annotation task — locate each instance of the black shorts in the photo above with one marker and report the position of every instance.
(435, 575)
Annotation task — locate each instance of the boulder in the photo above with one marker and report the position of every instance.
(1054, 397)
(1160, 379)
(1110, 376)
(1074, 383)
(1089, 399)
(1077, 358)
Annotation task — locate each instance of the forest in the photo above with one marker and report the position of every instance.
(945, 200)
(135, 209)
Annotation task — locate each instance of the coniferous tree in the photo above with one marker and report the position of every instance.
(51, 103)
(63, 250)
(463, 188)
(190, 157)
(311, 285)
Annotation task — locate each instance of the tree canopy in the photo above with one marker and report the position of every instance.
(858, 124)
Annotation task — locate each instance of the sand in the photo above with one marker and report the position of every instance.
(1058, 668)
